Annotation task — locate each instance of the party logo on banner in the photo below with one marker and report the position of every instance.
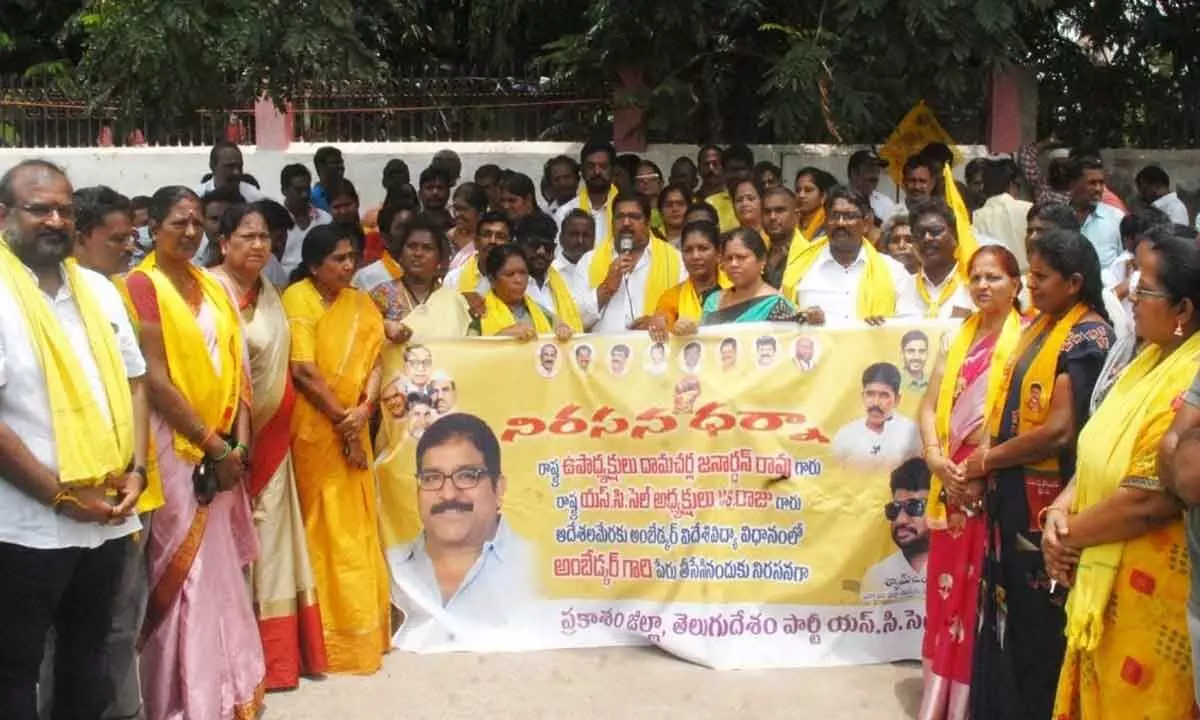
(747, 498)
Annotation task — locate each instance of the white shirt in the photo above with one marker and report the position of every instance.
(834, 288)
(859, 445)
(248, 192)
(1173, 207)
(1003, 217)
(25, 409)
(293, 252)
(490, 610)
(1115, 274)
(599, 214)
(461, 256)
(959, 299)
(893, 578)
(452, 278)
(882, 206)
(577, 285)
(628, 303)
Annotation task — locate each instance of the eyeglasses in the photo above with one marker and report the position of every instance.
(912, 507)
(466, 478)
(43, 211)
(845, 217)
(1141, 293)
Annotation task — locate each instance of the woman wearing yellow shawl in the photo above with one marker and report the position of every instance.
(200, 648)
(811, 186)
(1033, 425)
(963, 388)
(747, 204)
(337, 334)
(1114, 536)
(509, 311)
(685, 301)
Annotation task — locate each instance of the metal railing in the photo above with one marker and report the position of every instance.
(442, 103)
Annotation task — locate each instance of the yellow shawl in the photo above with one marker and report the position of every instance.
(934, 306)
(468, 279)
(564, 304)
(723, 204)
(88, 449)
(585, 204)
(390, 264)
(955, 355)
(1041, 373)
(690, 307)
(967, 244)
(497, 316)
(211, 396)
(814, 225)
(876, 291)
(665, 265)
(1121, 441)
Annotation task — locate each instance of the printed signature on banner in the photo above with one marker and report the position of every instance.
(710, 419)
(871, 621)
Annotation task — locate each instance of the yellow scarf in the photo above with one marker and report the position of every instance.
(564, 304)
(585, 204)
(955, 356)
(390, 264)
(468, 279)
(88, 449)
(723, 204)
(967, 244)
(814, 225)
(211, 396)
(1041, 373)
(665, 265)
(876, 291)
(1121, 441)
(935, 306)
(497, 316)
(690, 306)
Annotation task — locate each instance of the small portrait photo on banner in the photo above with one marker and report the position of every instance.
(547, 360)
(805, 353)
(583, 357)
(656, 359)
(728, 352)
(618, 360)
(766, 349)
(882, 438)
(690, 357)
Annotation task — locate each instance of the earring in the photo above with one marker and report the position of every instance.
(1178, 328)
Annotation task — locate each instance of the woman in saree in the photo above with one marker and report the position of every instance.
(811, 186)
(748, 298)
(509, 312)
(963, 388)
(673, 203)
(201, 656)
(468, 204)
(337, 334)
(281, 580)
(421, 254)
(1030, 456)
(747, 204)
(1115, 536)
(685, 301)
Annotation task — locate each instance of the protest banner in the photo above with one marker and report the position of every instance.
(722, 496)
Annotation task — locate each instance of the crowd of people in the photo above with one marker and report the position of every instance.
(222, 539)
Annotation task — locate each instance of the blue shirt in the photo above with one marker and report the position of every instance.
(317, 197)
(1103, 229)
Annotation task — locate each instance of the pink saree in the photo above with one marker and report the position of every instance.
(955, 557)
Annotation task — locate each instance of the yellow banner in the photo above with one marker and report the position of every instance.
(714, 495)
(918, 128)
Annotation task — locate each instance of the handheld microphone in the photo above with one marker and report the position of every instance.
(625, 243)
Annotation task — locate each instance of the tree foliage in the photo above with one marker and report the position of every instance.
(753, 70)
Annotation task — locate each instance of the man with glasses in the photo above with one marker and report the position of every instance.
(901, 575)
(467, 582)
(844, 277)
(938, 291)
(547, 286)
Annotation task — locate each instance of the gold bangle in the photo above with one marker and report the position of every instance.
(1044, 513)
(65, 496)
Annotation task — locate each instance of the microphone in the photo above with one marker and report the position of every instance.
(625, 243)
(625, 247)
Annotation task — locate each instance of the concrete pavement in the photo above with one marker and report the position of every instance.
(624, 683)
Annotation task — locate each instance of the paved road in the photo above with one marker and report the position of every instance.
(624, 683)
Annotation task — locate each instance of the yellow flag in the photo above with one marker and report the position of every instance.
(918, 128)
(967, 244)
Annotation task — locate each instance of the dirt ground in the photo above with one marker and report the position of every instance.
(599, 683)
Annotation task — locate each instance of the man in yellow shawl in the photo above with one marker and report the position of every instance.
(628, 275)
(547, 287)
(596, 159)
(842, 274)
(72, 447)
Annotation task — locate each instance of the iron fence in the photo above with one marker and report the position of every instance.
(444, 103)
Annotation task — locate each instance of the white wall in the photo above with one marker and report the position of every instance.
(140, 171)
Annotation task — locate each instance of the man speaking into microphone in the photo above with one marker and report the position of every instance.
(630, 271)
